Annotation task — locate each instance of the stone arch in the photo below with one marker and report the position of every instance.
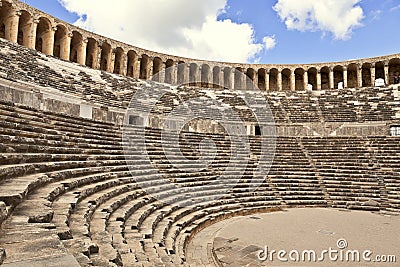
(76, 43)
(286, 73)
(312, 78)
(228, 78)
(205, 75)
(238, 79)
(394, 69)
(193, 74)
(60, 41)
(24, 28)
(262, 79)
(181, 72)
(105, 57)
(273, 79)
(380, 70)
(144, 72)
(91, 53)
(251, 76)
(6, 15)
(352, 77)
(216, 77)
(44, 36)
(338, 76)
(169, 71)
(325, 82)
(299, 79)
(119, 60)
(366, 75)
(132, 64)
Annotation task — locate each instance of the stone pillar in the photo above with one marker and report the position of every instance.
(292, 81)
(255, 81)
(65, 46)
(32, 34)
(124, 64)
(136, 71)
(174, 74)
(319, 82)
(81, 57)
(221, 78)
(97, 57)
(111, 60)
(345, 82)
(48, 43)
(186, 70)
(279, 81)
(267, 81)
(231, 80)
(331, 79)
(373, 75)
(305, 80)
(12, 27)
(161, 75)
(387, 78)
(359, 77)
(149, 68)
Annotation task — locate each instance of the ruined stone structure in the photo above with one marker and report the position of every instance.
(34, 29)
(71, 195)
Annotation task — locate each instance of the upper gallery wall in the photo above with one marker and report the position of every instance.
(27, 26)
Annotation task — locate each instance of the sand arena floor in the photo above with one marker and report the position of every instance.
(238, 241)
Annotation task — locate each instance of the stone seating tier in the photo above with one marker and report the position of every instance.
(64, 184)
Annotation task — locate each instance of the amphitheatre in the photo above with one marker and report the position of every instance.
(113, 155)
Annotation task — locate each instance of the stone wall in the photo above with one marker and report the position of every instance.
(29, 27)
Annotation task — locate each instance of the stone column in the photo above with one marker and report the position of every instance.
(161, 76)
(319, 82)
(136, 71)
(373, 75)
(231, 79)
(221, 78)
(305, 80)
(48, 43)
(12, 27)
(149, 67)
(124, 64)
(97, 58)
(81, 57)
(111, 60)
(331, 79)
(387, 78)
(255, 81)
(345, 82)
(267, 81)
(359, 77)
(279, 81)
(32, 34)
(65, 46)
(292, 81)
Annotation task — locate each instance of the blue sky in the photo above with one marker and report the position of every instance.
(303, 31)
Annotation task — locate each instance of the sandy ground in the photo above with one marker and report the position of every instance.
(237, 241)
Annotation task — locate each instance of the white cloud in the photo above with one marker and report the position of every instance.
(395, 8)
(270, 42)
(179, 27)
(338, 17)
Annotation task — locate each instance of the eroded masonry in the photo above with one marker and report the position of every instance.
(85, 183)
(34, 29)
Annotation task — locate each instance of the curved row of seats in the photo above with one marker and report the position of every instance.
(19, 63)
(66, 187)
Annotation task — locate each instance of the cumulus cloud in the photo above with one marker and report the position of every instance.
(181, 27)
(270, 42)
(339, 17)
